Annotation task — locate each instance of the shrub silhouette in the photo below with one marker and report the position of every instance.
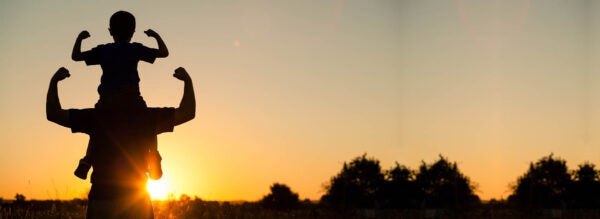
(280, 198)
(544, 185)
(19, 197)
(356, 186)
(361, 184)
(400, 190)
(444, 186)
(584, 190)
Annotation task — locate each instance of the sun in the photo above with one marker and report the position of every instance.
(158, 189)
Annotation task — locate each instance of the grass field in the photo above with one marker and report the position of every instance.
(217, 210)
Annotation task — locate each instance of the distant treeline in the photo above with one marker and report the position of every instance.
(362, 189)
(363, 184)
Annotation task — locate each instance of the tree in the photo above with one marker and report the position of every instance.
(280, 198)
(586, 173)
(19, 197)
(544, 185)
(584, 190)
(400, 190)
(444, 186)
(356, 186)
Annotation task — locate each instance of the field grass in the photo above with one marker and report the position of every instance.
(223, 210)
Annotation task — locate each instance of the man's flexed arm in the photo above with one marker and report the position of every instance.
(54, 111)
(187, 107)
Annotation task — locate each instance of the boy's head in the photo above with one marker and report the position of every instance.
(122, 26)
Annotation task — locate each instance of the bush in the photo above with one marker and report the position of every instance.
(280, 198)
(356, 186)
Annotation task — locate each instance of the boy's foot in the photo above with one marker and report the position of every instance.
(82, 169)
(154, 168)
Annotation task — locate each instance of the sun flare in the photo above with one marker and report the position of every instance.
(158, 189)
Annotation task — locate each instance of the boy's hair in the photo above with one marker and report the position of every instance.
(122, 25)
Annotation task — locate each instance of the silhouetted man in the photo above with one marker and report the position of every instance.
(121, 140)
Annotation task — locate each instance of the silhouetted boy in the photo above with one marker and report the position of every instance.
(119, 85)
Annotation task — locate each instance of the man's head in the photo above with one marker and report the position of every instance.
(122, 26)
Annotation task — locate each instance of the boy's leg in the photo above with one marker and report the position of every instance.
(130, 99)
(153, 159)
(84, 164)
(122, 100)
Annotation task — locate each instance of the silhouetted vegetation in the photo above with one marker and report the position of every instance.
(544, 185)
(356, 186)
(584, 190)
(281, 198)
(361, 184)
(400, 190)
(548, 189)
(549, 184)
(43, 209)
(198, 208)
(444, 186)
(19, 197)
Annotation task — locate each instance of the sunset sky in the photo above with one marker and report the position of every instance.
(287, 91)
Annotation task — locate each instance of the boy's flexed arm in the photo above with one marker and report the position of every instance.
(187, 107)
(54, 111)
(76, 54)
(162, 48)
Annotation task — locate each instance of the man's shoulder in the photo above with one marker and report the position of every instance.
(161, 119)
(120, 45)
(85, 110)
(160, 109)
(104, 46)
(81, 120)
(161, 113)
(82, 114)
(137, 45)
